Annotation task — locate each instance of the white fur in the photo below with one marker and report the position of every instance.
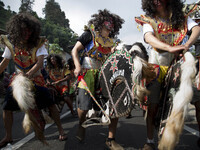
(181, 100)
(26, 123)
(141, 91)
(135, 48)
(23, 92)
(120, 46)
(137, 73)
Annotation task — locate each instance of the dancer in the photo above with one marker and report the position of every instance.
(165, 25)
(96, 43)
(59, 77)
(26, 48)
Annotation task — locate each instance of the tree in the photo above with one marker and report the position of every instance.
(55, 49)
(26, 6)
(53, 13)
(56, 34)
(5, 15)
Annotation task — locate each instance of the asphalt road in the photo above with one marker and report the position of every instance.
(131, 134)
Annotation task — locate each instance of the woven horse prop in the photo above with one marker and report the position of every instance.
(120, 83)
(177, 93)
(23, 92)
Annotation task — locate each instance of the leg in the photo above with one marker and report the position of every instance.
(152, 110)
(110, 142)
(151, 113)
(112, 128)
(8, 121)
(84, 103)
(82, 117)
(153, 101)
(56, 117)
(69, 104)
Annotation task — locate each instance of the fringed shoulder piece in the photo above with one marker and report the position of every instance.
(5, 41)
(143, 19)
(189, 8)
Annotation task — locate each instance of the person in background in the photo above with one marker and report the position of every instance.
(59, 77)
(73, 80)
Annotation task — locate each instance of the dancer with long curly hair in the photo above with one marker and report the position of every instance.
(96, 44)
(165, 26)
(25, 46)
(60, 76)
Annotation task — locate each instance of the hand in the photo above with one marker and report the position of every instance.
(28, 75)
(77, 71)
(186, 48)
(176, 49)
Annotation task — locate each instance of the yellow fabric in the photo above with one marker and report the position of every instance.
(163, 72)
(67, 72)
(108, 42)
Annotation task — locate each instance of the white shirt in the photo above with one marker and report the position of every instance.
(41, 51)
(164, 58)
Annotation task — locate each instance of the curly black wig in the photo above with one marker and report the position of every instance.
(19, 24)
(173, 6)
(105, 15)
(58, 59)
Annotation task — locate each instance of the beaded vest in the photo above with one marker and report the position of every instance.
(24, 60)
(163, 28)
(99, 47)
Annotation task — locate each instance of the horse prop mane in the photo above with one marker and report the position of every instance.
(178, 94)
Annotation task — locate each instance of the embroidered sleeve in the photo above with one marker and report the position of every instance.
(189, 8)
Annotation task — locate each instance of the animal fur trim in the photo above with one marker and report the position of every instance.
(181, 100)
(23, 92)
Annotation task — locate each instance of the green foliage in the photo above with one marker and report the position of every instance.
(56, 34)
(55, 49)
(53, 13)
(55, 27)
(5, 15)
(26, 6)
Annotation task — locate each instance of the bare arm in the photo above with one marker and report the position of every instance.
(4, 63)
(156, 43)
(68, 77)
(78, 46)
(36, 67)
(193, 37)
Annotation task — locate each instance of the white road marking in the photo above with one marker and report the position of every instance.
(32, 135)
(193, 131)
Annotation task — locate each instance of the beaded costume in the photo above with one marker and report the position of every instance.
(58, 74)
(164, 32)
(94, 55)
(24, 60)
